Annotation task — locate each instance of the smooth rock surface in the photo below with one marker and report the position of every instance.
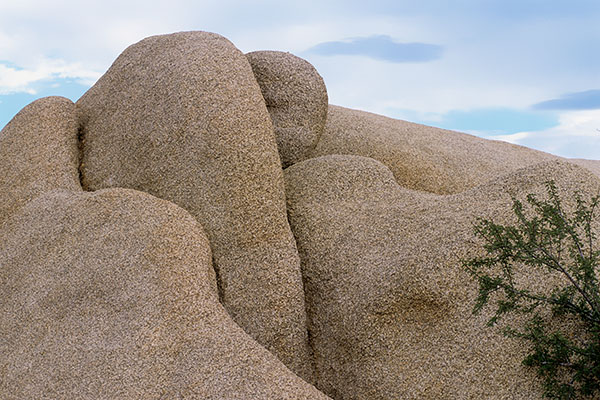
(422, 157)
(181, 117)
(111, 295)
(296, 98)
(38, 152)
(389, 303)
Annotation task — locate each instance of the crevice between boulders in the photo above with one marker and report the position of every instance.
(80, 146)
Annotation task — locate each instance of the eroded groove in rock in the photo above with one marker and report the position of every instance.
(182, 117)
(38, 153)
(80, 146)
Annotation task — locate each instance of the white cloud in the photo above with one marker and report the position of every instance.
(15, 80)
(514, 138)
(491, 59)
(481, 67)
(576, 136)
(7, 43)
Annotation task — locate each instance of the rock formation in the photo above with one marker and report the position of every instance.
(389, 305)
(153, 246)
(182, 117)
(110, 295)
(296, 98)
(422, 157)
(38, 152)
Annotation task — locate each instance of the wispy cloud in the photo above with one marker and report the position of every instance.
(575, 136)
(587, 100)
(380, 47)
(14, 79)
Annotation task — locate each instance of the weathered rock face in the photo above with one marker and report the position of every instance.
(38, 152)
(154, 283)
(110, 295)
(591, 165)
(182, 117)
(296, 98)
(389, 303)
(422, 157)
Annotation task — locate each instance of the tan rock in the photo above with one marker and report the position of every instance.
(111, 295)
(181, 117)
(296, 98)
(422, 157)
(389, 304)
(38, 152)
(592, 165)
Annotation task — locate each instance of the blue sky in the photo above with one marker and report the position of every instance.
(524, 71)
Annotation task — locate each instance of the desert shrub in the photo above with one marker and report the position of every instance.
(565, 355)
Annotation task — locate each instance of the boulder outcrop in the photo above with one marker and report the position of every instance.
(202, 225)
(111, 295)
(389, 303)
(38, 153)
(422, 157)
(182, 117)
(296, 98)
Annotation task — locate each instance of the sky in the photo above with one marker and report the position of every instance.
(523, 71)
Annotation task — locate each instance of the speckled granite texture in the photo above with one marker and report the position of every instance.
(389, 304)
(38, 152)
(422, 157)
(182, 117)
(296, 98)
(111, 295)
(152, 246)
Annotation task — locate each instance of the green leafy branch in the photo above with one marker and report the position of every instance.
(556, 243)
